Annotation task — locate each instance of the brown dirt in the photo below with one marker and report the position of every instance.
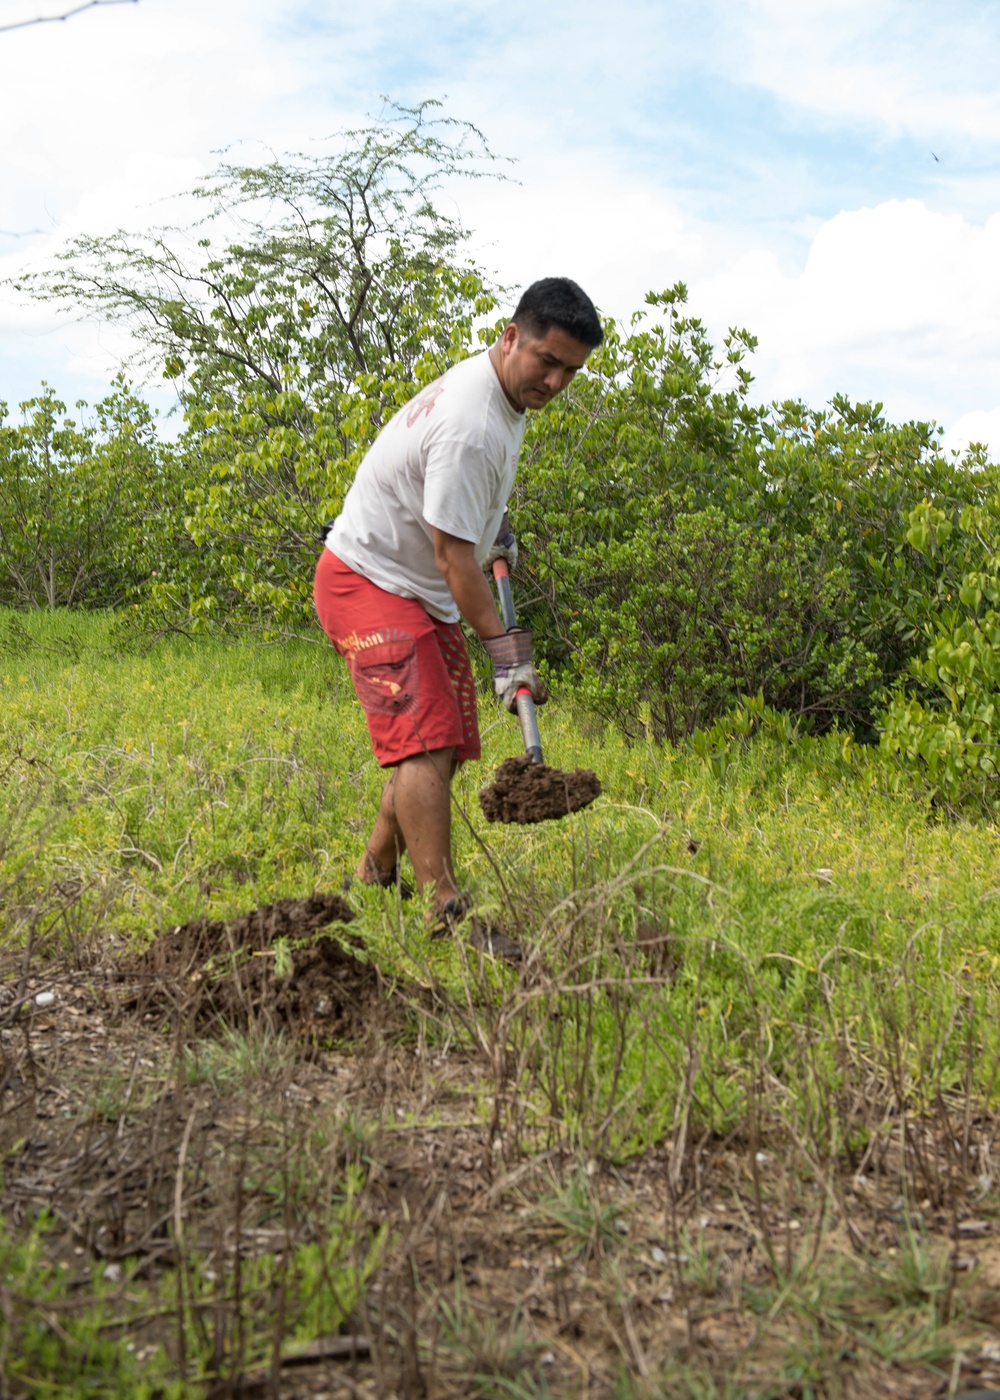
(646, 1271)
(526, 792)
(478, 1229)
(232, 972)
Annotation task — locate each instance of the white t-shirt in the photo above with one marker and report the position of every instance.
(447, 459)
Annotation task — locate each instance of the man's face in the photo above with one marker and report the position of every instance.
(533, 370)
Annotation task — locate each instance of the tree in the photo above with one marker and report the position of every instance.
(345, 289)
(342, 266)
(85, 507)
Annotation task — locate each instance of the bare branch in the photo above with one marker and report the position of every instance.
(55, 19)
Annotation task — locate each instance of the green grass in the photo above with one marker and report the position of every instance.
(803, 903)
(778, 948)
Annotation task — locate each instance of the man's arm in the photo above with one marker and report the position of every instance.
(466, 582)
(510, 652)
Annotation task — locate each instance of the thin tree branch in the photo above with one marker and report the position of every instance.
(55, 19)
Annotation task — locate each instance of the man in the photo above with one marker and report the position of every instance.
(424, 517)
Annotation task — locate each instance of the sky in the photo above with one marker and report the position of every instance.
(824, 173)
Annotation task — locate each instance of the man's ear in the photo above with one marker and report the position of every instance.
(510, 337)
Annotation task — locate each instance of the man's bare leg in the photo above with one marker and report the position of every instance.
(415, 815)
(387, 843)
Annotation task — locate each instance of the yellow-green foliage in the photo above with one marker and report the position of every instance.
(163, 775)
(807, 904)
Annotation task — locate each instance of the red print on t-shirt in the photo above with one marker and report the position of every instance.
(423, 403)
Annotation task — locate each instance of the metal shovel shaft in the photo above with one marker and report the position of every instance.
(529, 725)
(501, 575)
(525, 700)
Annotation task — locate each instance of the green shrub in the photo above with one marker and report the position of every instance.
(89, 510)
(690, 615)
(684, 550)
(942, 722)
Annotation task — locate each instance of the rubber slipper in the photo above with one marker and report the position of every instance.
(481, 936)
(385, 882)
(492, 941)
(451, 914)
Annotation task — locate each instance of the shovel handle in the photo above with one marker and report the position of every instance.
(501, 576)
(525, 700)
(529, 724)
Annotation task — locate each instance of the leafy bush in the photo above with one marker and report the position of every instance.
(686, 550)
(267, 471)
(691, 614)
(943, 718)
(89, 511)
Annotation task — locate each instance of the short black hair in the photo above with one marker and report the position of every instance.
(558, 301)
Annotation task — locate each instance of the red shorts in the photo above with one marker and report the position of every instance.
(411, 672)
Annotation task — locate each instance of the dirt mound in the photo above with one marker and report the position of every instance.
(526, 792)
(266, 967)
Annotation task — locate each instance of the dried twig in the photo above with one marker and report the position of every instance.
(68, 14)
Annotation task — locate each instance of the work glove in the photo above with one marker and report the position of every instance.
(503, 547)
(512, 667)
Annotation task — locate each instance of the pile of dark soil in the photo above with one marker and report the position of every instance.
(238, 973)
(526, 792)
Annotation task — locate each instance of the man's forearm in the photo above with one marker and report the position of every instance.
(474, 597)
(467, 584)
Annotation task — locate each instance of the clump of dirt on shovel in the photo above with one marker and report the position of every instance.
(266, 967)
(526, 792)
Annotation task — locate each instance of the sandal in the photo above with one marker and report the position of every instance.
(385, 882)
(451, 914)
(481, 936)
(490, 940)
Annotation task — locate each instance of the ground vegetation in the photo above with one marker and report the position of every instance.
(730, 1129)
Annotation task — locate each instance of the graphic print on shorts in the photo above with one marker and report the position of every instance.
(456, 659)
(383, 668)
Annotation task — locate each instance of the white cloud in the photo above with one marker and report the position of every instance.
(911, 67)
(579, 218)
(105, 118)
(129, 92)
(896, 303)
(981, 425)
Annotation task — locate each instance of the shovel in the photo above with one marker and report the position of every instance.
(525, 700)
(525, 790)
